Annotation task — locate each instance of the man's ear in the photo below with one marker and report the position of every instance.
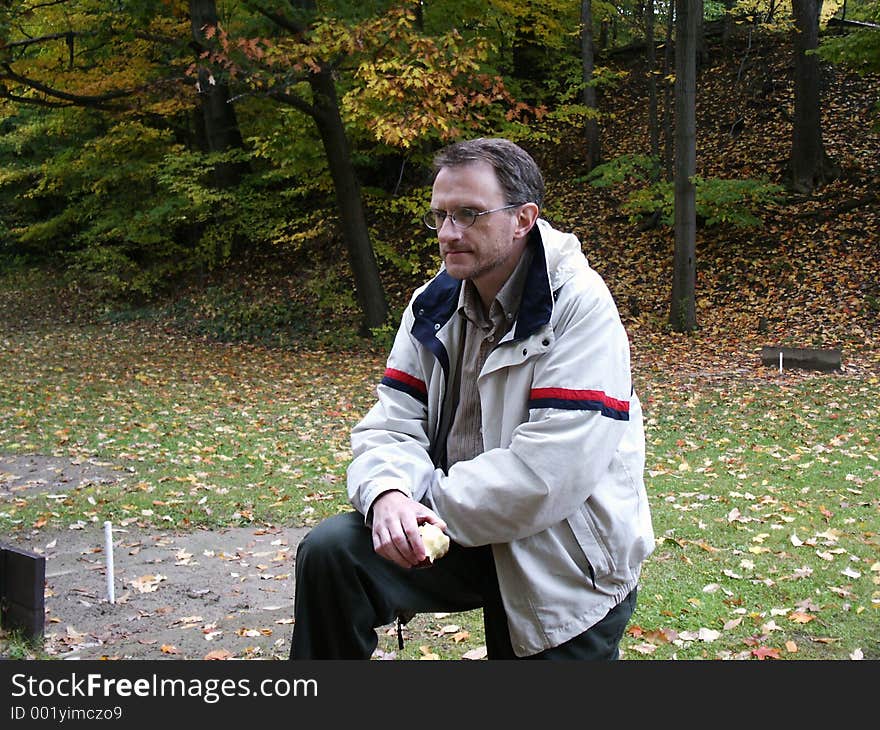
(525, 219)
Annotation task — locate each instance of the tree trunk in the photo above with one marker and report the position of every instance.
(667, 97)
(727, 30)
(324, 109)
(702, 52)
(810, 165)
(682, 309)
(368, 283)
(219, 130)
(591, 130)
(527, 55)
(651, 63)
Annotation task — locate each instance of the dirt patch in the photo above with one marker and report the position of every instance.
(34, 472)
(225, 593)
(177, 595)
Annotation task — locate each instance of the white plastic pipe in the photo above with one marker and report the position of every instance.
(780, 361)
(108, 553)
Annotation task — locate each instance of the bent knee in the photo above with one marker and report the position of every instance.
(333, 538)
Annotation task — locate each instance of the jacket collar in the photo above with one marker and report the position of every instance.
(439, 300)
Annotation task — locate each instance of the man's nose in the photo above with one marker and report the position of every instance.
(448, 230)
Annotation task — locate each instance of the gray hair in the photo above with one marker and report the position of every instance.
(516, 170)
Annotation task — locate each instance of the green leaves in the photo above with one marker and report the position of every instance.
(857, 47)
(736, 203)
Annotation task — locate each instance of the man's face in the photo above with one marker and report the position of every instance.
(485, 252)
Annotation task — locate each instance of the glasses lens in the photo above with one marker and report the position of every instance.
(464, 217)
(433, 220)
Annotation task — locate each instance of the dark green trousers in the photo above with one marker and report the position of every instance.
(344, 591)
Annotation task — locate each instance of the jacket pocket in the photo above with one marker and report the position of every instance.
(594, 550)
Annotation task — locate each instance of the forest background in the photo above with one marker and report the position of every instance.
(254, 174)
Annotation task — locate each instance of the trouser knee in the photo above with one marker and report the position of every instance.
(331, 542)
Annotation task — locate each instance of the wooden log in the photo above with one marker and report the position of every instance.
(861, 25)
(22, 592)
(804, 358)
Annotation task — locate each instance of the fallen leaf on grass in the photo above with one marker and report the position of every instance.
(644, 648)
(800, 618)
(765, 652)
(475, 654)
(428, 653)
(841, 591)
(703, 634)
(653, 636)
(823, 639)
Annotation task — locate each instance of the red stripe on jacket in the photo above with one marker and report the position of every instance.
(589, 395)
(406, 379)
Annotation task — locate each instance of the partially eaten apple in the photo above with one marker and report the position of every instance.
(436, 542)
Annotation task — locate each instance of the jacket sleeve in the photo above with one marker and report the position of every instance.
(578, 410)
(390, 445)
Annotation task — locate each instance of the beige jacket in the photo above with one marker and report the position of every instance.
(558, 491)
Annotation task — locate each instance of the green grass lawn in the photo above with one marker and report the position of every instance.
(765, 488)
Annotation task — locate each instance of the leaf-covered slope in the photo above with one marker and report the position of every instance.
(807, 277)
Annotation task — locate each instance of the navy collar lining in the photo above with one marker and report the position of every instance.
(439, 301)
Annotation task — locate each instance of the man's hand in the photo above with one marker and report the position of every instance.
(396, 520)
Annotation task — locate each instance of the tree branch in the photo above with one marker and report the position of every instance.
(49, 4)
(288, 24)
(67, 99)
(33, 101)
(43, 38)
(66, 35)
(844, 207)
(98, 102)
(297, 102)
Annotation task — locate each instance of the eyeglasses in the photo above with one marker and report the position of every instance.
(461, 218)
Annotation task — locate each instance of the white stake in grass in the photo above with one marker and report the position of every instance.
(108, 553)
(780, 361)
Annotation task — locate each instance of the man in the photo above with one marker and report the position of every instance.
(507, 418)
